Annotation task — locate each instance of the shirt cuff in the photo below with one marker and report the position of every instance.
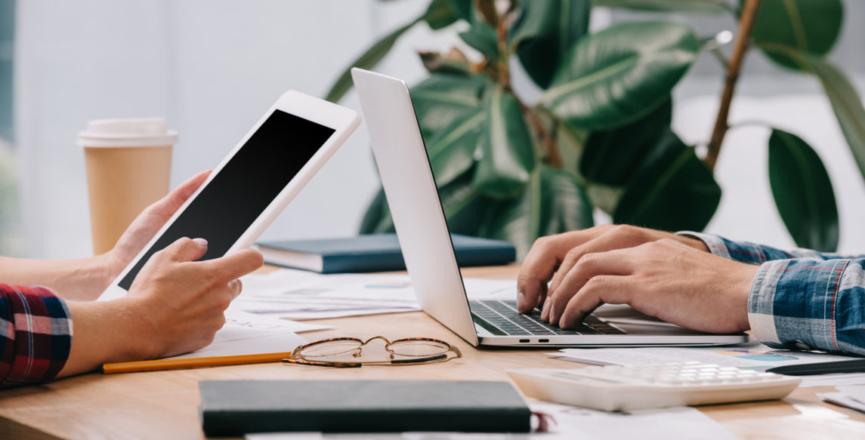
(761, 301)
(715, 243)
(792, 303)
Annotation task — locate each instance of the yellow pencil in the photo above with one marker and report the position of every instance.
(199, 362)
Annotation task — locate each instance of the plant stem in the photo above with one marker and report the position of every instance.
(546, 137)
(503, 68)
(740, 47)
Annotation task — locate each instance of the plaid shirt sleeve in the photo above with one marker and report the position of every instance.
(801, 298)
(35, 335)
(752, 253)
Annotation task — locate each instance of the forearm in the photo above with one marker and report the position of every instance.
(807, 303)
(106, 331)
(753, 253)
(81, 279)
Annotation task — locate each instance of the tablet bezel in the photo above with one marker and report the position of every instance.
(342, 120)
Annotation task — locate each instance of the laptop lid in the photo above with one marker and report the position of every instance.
(413, 198)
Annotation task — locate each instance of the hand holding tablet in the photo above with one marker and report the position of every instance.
(254, 183)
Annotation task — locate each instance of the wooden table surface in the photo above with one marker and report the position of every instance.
(165, 404)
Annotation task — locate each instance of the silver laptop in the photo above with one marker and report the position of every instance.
(423, 233)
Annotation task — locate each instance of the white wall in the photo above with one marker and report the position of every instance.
(747, 210)
(212, 66)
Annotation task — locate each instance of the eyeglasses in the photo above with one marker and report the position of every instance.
(349, 352)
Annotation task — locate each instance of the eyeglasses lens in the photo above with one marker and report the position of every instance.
(418, 348)
(333, 350)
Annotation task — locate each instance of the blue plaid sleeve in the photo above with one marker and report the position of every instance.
(801, 298)
(809, 303)
(753, 253)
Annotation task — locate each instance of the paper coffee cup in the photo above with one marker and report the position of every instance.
(128, 168)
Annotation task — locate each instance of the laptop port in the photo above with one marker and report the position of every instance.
(543, 340)
(524, 341)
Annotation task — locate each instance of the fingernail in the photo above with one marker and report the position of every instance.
(200, 242)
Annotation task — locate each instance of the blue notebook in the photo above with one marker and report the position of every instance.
(374, 253)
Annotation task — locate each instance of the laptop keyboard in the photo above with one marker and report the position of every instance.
(502, 318)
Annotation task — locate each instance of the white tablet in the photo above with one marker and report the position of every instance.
(255, 181)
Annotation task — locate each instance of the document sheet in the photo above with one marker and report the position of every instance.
(300, 295)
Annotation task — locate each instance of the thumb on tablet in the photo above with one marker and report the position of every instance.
(186, 249)
(235, 264)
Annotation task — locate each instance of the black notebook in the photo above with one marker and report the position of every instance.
(373, 253)
(238, 407)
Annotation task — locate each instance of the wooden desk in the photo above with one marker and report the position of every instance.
(165, 404)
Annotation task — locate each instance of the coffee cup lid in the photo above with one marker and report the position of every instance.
(128, 132)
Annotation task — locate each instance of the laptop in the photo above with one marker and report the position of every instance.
(424, 237)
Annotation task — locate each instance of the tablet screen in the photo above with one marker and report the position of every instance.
(244, 187)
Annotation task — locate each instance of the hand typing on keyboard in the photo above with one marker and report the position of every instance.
(660, 274)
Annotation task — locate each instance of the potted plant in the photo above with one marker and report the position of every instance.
(600, 136)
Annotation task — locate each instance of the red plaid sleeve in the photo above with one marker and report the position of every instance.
(35, 335)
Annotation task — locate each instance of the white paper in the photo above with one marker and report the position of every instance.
(571, 423)
(751, 356)
(660, 424)
(833, 380)
(299, 295)
(247, 333)
(856, 392)
(263, 322)
(233, 340)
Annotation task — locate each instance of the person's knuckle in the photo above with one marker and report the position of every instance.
(223, 301)
(668, 242)
(626, 231)
(586, 262)
(542, 244)
(602, 228)
(574, 255)
(594, 285)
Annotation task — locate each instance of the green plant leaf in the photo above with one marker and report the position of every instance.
(552, 202)
(846, 103)
(482, 37)
(612, 157)
(620, 74)
(464, 206)
(809, 26)
(463, 9)
(377, 218)
(441, 99)
(452, 150)
(546, 30)
(803, 192)
(697, 6)
(440, 14)
(674, 191)
(506, 150)
(367, 60)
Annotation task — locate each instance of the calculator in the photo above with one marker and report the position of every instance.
(626, 388)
